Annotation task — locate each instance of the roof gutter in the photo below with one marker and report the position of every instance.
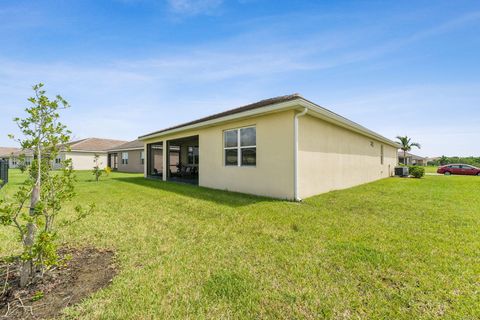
(316, 111)
(86, 151)
(295, 153)
(126, 149)
(277, 107)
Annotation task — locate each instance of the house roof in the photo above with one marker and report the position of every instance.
(415, 157)
(292, 101)
(83, 145)
(7, 151)
(247, 107)
(25, 152)
(131, 145)
(94, 144)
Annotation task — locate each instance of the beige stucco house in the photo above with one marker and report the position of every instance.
(16, 157)
(130, 157)
(6, 154)
(411, 159)
(81, 152)
(127, 157)
(286, 147)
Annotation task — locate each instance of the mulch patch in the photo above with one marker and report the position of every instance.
(87, 271)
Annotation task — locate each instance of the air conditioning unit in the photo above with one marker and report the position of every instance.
(401, 171)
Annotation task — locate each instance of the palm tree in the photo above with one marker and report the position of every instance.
(407, 145)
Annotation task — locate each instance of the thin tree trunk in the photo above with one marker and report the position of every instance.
(26, 272)
(404, 157)
(27, 269)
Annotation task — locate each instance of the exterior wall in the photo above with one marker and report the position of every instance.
(134, 161)
(273, 174)
(85, 160)
(57, 166)
(80, 160)
(332, 158)
(12, 160)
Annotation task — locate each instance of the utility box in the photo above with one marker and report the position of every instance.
(3, 172)
(401, 171)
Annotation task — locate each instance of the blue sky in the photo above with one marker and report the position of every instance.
(129, 67)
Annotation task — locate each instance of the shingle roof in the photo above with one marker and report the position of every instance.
(135, 144)
(26, 152)
(289, 101)
(89, 144)
(94, 144)
(7, 151)
(247, 107)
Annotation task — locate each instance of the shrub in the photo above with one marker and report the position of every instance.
(416, 171)
(97, 172)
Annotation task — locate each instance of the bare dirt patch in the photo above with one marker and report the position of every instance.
(87, 271)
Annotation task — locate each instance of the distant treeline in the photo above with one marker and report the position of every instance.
(474, 161)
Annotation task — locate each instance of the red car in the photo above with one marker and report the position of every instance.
(464, 169)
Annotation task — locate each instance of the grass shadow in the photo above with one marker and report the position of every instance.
(226, 198)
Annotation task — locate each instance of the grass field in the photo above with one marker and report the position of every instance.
(431, 169)
(393, 249)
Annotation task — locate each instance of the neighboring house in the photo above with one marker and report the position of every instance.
(412, 159)
(127, 157)
(130, 157)
(20, 157)
(81, 152)
(6, 153)
(285, 147)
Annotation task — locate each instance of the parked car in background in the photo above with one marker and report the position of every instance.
(463, 169)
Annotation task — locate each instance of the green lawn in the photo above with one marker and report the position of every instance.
(431, 169)
(393, 249)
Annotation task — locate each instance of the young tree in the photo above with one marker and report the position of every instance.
(37, 203)
(407, 145)
(97, 172)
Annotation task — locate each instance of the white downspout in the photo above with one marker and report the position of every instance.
(295, 154)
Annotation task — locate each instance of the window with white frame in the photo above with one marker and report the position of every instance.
(240, 147)
(142, 157)
(381, 154)
(58, 160)
(124, 157)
